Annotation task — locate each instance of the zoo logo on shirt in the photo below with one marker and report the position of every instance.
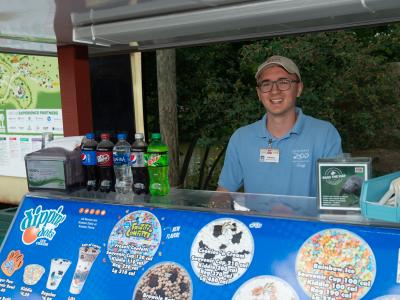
(301, 157)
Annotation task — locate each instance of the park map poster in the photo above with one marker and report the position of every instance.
(30, 104)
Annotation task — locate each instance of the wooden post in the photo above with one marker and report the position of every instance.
(136, 71)
(73, 64)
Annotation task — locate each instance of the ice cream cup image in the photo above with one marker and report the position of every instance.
(339, 260)
(32, 274)
(58, 268)
(265, 287)
(166, 280)
(87, 256)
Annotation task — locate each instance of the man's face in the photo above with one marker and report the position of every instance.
(277, 102)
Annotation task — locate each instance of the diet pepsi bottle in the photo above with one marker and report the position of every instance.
(139, 170)
(104, 155)
(89, 162)
(122, 165)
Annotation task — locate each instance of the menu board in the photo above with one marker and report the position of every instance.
(69, 249)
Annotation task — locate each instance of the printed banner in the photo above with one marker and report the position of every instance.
(30, 104)
(68, 249)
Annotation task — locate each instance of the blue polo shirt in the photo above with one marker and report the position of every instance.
(299, 150)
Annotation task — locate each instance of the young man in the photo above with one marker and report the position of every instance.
(278, 154)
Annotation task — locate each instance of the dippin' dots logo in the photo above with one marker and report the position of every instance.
(41, 223)
(333, 176)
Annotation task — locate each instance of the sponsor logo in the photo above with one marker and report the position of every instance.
(120, 159)
(333, 176)
(103, 158)
(41, 223)
(133, 158)
(255, 225)
(153, 159)
(358, 170)
(83, 156)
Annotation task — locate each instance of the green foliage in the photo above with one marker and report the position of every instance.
(348, 76)
(344, 83)
(210, 103)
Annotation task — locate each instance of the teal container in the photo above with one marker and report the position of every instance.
(372, 191)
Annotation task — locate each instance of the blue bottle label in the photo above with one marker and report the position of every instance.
(121, 159)
(88, 157)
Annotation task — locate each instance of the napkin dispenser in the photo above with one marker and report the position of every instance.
(54, 169)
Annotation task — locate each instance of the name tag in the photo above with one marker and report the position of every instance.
(269, 155)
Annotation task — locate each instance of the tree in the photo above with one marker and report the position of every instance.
(167, 102)
(206, 76)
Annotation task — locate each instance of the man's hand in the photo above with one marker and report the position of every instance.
(221, 200)
(221, 189)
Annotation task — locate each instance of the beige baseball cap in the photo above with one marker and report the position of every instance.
(282, 61)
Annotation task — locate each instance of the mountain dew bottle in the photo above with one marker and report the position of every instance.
(157, 165)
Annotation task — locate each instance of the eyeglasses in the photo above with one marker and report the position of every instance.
(282, 84)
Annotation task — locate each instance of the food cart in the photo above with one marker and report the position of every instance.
(198, 244)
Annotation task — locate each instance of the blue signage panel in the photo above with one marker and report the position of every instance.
(68, 249)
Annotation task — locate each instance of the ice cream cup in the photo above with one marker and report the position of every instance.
(87, 256)
(32, 274)
(58, 268)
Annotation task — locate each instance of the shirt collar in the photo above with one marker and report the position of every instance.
(296, 129)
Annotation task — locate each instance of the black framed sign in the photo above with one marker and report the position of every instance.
(340, 182)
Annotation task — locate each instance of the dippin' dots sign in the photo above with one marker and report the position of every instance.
(41, 223)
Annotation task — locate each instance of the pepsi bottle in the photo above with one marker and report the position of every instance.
(89, 162)
(139, 170)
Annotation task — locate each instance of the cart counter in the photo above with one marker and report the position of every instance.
(194, 245)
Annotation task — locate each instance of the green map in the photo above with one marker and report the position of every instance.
(29, 82)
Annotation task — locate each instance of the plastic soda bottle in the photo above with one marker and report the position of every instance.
(139, 170)
(122, 166)
(104, 155)
(89, 161)
(157, 165)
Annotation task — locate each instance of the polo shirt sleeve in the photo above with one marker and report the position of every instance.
(231, 177)
(333, 143)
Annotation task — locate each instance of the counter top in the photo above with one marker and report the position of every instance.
(276, 206)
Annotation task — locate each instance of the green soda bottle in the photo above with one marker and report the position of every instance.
(157, 165)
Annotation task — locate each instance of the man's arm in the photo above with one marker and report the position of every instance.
(333, 143)
(231, 177)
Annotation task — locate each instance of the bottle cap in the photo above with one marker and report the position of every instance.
(139, 136)
(105, 136)
(121, 136)
(90, 135)
(155, 136)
